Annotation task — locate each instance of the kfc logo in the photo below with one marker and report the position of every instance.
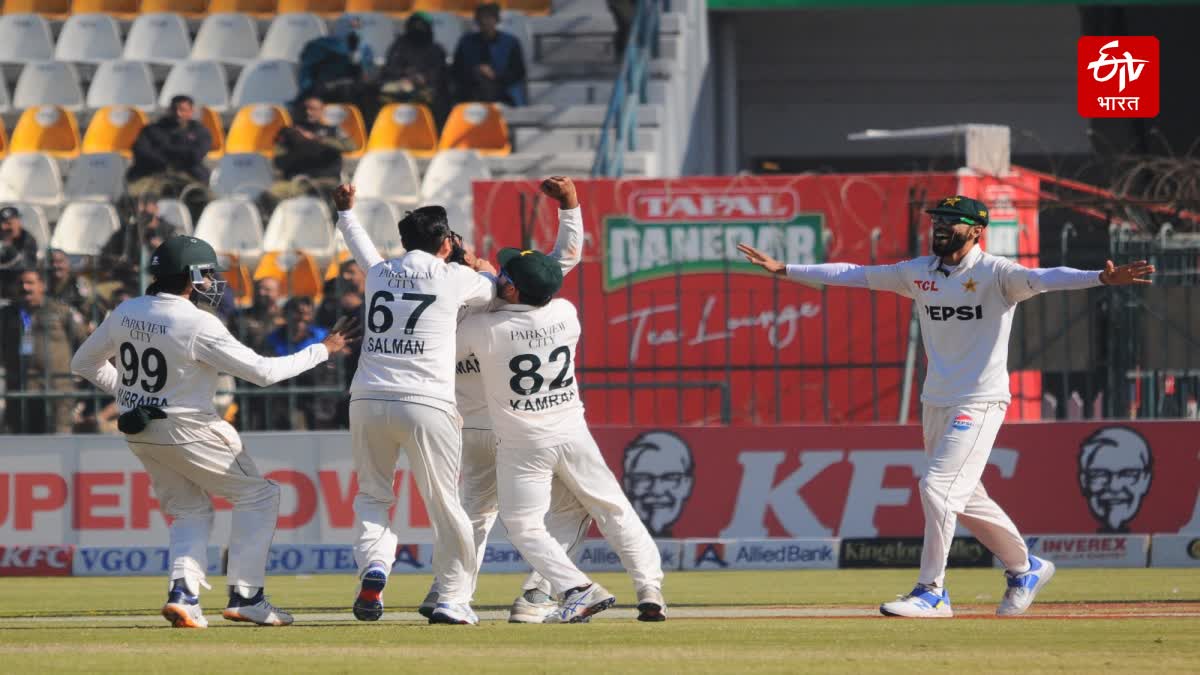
(1115, 469)
(658, 479)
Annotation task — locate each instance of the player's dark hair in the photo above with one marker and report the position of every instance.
(294, 304)
(458, 253)
(424, 229)
(174, 284)
(532, 302)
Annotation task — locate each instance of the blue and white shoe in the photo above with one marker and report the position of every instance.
(459, 614)
(368, 601)
(922, 603)
(183, 611)
(1023, 588)
(429, 604)
(257, 610)
(580, 605)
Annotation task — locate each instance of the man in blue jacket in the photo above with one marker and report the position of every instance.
(488, 64)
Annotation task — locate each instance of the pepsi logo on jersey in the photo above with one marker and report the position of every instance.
(962, 422)
(962, 313)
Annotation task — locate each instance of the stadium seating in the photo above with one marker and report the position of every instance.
(476, 126)
(242, 175)
(534, 7)
(85, 227)
(31, 177)
(463, 7)
(350, 120)
(48, 83)
(204, 81)
(288, 34)
(301, 223)
(99, 176)
(48, 128)
(388, 174)
(271, 81)
(449, 175)
(3, 139)
(326, 8)
(393, 8)
(255, 127)
(379, 218)
(88, 39)
(25, 38)
(193, 10)
(53, 10)
(161, 38)
(374, 28)
(448, 29)
(121, 9)
(5, 101)
(174, 212)
(123, 83)
(296, 272)
(520, 27)
(227, 38)
(114, 129)
(259, 9)
(34, 221)
(404, 126)
(237, 277)
(232, 226)
(212, 121)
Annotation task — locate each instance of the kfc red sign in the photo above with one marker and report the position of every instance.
(35, 561)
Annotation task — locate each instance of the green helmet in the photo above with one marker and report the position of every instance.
(184, 255)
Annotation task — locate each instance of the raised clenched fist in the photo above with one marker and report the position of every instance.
(561, 189)
(343, 197)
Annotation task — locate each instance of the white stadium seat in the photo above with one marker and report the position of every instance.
(5, 100)
(388, 174)
(288, 34)
(34, 221)
(204, 81)
(49, 83)
(374, 28)
(85, 227)
(227, 38)
(460, 216)
(174, 212)
(89, 38)
(31, 177)
(272, 81)
(232, 226)
(301, 223)
(447, 30)
(25, 38)
(379, 218)
(158, 38)
(123, 83)
(242, 174)
(449, 175)
(96, 176)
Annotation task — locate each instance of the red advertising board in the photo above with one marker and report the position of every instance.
(36, 561)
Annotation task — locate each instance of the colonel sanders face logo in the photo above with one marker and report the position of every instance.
(658, 479)
(1115, 468)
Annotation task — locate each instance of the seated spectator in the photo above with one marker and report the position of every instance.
(303, 411)
(309, 155)
(122, 255)
(415, 69)
(168, 156)
(18, 250)
(298, 331)
(488, 64)
(39, 335)
(253, 324)
(336, 68)
(344, 294)
(71, 289)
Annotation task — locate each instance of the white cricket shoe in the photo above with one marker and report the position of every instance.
(532, 606)
(579, 605)
(459, 614)
(183, 614)
(922, 603)
(256, 610)
(1023, 588)
(429, 604)
(651, 605)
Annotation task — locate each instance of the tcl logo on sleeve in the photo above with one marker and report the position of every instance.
(39, 561)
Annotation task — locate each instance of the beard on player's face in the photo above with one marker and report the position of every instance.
(948, 239)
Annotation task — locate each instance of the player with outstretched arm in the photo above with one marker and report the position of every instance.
(170, 353)
(965, 299)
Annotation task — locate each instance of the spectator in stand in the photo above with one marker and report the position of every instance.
(168, 156)
(39, 335)
(122, 255)
(309, 155)
(18, 250)
(302, 411)
(256, 322)
(71, 289)
(338, 68)
(488, 64)
(344, 294)
(415, 69)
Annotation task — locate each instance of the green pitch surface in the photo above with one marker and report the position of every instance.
(721, 622)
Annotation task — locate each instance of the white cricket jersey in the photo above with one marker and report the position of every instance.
(468, 383)
(169, 354)
(408, 348)
(528, 370)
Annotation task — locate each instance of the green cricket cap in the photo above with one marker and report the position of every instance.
(971, 211)
(536, 275)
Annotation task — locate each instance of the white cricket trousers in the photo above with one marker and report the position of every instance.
(525, 478)
(567, 520)
(958, 441)
(433, 441)
(190, 457)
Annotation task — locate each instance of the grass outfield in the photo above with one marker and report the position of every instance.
(820, 621)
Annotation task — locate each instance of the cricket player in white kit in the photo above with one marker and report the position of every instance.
(402, 396)
(965, 299)
(526, 355)
(170, 353)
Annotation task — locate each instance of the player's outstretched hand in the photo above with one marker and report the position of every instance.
(344, 333)
(1136, 272)
(761, 259)
(482, 265)
(561, 189)
(343, 197)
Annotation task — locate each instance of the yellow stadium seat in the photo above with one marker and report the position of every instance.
(318, 7)
(464, 7)
(255, 127)
(51, 129)
(237, 278)
(335, 265)
(212, 121)
(295, 271)
(476, 126)
(259, 9)
(350, 119)
(531, 7)
(114, 128)
(404, 126)
(395, 8)
(51, 9)
(119, 9)
(189, 9)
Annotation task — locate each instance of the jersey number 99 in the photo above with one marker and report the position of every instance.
(152, 364)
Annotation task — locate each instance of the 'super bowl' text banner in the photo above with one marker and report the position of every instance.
(684, 482)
